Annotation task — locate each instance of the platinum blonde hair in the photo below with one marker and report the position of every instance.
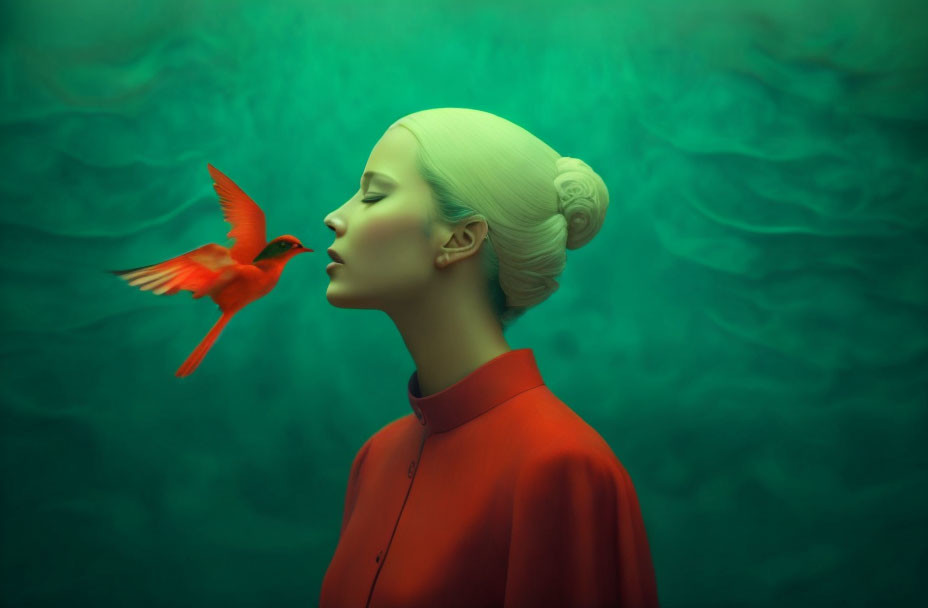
(536, 203)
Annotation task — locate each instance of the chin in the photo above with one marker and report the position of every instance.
(336, 300)
(343, 301)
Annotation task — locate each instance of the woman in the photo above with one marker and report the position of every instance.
(492, 492)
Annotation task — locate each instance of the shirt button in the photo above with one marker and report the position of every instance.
(412, 468)
(379, 555)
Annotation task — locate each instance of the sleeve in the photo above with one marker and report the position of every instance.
(578, 537)
(354, 483)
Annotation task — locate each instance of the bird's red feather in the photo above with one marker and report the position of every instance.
(246, 217)
(200, 271)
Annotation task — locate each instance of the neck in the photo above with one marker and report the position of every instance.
(449, 332)
(271, 265)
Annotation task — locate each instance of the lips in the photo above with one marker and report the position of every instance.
(335, 257)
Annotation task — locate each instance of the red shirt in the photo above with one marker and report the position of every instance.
(494, 493)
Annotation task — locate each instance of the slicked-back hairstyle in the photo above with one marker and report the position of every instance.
(482, 166)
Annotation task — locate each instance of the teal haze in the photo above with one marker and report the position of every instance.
(749, 330)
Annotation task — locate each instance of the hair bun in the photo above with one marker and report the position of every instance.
(582, 199)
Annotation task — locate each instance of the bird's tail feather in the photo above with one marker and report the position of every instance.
(193, 360)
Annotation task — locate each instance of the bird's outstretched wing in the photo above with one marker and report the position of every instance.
(198, 271)
(244, 214)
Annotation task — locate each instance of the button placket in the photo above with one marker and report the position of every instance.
(412, 469)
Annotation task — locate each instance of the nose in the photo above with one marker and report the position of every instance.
(330, 223)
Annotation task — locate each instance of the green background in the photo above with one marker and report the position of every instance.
(748, 331)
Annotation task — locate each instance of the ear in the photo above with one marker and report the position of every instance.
(463, 242)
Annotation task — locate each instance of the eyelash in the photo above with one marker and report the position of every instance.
(365, 200)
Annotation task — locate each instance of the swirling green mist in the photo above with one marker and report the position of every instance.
(749, 330)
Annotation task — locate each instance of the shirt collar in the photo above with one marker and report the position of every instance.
(494, 382)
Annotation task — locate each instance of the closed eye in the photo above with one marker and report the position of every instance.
(372, 200)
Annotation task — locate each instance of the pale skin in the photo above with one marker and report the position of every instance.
(431, 285)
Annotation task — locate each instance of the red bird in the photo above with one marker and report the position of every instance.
(231, 277)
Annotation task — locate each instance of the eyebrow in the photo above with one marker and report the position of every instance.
(374, 174)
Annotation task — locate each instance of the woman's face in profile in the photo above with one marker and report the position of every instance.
(382, 232)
